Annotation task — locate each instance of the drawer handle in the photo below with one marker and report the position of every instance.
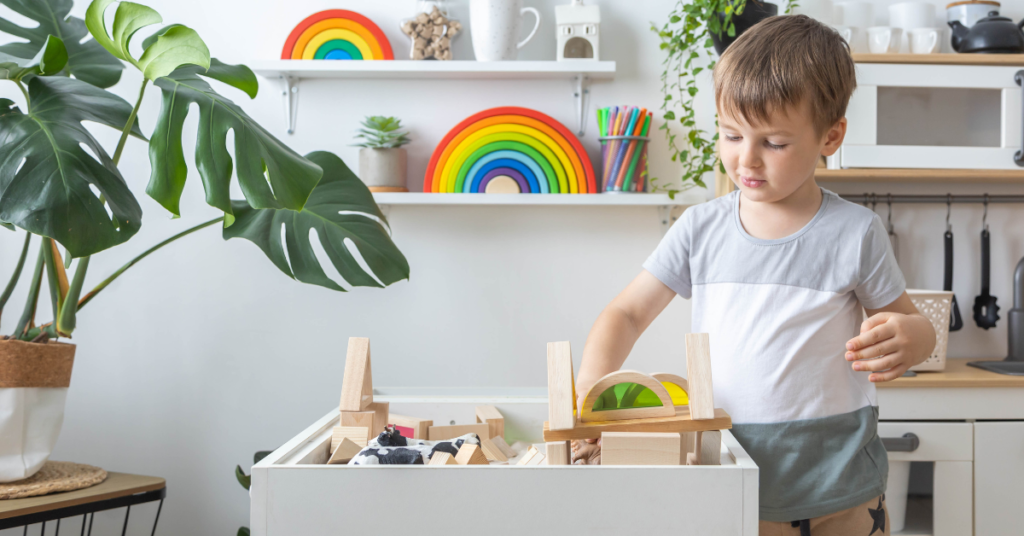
(1018, 157)
(908, 443)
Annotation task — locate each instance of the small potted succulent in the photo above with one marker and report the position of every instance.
(382, 160)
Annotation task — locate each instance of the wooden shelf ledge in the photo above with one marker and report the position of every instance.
(999, 60)
(920, 175)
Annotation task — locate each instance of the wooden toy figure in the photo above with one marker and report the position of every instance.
(578, 31)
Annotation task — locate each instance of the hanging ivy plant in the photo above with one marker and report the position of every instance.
(686, 39)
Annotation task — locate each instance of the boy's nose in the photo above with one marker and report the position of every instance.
(749, 158)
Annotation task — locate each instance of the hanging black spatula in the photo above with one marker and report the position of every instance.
(986, 312)
(955, 321)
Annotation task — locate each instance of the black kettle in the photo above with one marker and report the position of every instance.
(990, 35)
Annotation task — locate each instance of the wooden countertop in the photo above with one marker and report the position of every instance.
(116, 485)
(957, 374)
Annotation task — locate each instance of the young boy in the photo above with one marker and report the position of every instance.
(779, 274)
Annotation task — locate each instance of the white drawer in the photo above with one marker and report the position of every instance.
(939, 441)
(293, 495)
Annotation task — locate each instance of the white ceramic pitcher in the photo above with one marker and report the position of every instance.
(495, 24)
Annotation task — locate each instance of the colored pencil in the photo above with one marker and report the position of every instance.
(619, 123)
(621, 180)
(620, 155)
(635, 156)
(613, 121)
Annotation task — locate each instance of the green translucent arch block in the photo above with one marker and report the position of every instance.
(626, 395)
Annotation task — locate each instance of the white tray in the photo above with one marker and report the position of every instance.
(293, 493)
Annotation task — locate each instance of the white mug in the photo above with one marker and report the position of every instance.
(909, 15)
(853, 37)
(884, 39)
(924, 40)
(495, 24)
(855, 14)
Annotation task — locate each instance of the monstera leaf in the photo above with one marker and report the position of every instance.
(339, 208)
(50, 59)
(270, 174)
(47, 177)
(87, 61)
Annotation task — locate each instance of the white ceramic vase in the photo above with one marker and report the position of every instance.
(495, 25)
(383, 170)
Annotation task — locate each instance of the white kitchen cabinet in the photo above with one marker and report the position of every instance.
(998, 478)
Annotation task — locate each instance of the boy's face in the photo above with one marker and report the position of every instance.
(769, 162)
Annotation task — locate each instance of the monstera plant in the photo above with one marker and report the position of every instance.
(59, 183)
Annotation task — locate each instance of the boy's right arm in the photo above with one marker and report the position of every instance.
(618, 327)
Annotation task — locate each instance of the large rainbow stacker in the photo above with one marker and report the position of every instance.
(520, 149)
(337, 34)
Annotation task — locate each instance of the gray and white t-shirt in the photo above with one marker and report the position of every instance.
(779, 314)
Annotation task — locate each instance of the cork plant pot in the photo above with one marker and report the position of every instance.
(34, 380)
(383, 170)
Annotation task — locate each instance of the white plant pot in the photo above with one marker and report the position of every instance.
(34, 381)
(383, 170)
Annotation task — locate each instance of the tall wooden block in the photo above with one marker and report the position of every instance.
(442, 458)
(495, 421)
(639, 448)
(357, 384)
(685, 445)
(410, 427)
(710, 448)
(347, 449)
(440, 433)
(357, 434)
(471, 455)
(362, 419)
(380, 417)
(698, 370)
(557, 452)
(561, 387)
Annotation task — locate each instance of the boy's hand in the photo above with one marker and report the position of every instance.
(890, 343)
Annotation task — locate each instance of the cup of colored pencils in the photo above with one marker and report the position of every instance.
(623, 135)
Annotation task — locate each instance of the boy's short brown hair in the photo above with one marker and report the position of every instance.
(781, 62)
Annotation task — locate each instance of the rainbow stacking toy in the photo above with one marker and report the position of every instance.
(521, 149)
(337, 34)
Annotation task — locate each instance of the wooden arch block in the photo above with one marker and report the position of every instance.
(587, 413)
(698, 370)
(561, 387)
(357, 384)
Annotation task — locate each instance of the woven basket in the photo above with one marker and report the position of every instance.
(935, 305)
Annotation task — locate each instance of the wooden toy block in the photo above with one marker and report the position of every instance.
(442, 458)
(681, 422)
(644, 448)
(357, 384)
(491, 451)
(493, 418)
(411, 427)
(439, 433)
(691, 459)
(499, 442)
(561, 387)
(557, 452)
(698, 372)
(362, 419)
(471, 455)
(686, 440)
(380, 417)
(347, 449)
(357, 434)
(528, 455)
(666, 409)
(537, 459)
(711, 448)
(697, 443)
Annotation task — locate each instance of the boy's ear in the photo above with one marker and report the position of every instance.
(834, 138)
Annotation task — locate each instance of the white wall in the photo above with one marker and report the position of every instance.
(204, 352)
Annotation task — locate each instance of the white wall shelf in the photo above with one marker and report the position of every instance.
(658, 200)
(291, 72)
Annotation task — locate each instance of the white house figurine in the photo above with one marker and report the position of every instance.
(578, 31)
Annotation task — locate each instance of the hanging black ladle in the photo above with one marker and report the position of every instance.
(986, 312)
(955, 321)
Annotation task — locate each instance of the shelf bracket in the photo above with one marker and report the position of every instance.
(666, 218)
(290, 96)
(581, 93)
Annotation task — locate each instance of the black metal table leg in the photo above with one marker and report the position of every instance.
(157, 520)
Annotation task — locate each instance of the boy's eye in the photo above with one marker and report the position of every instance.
(732, 138)
(772, 146)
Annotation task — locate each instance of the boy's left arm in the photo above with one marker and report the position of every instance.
(892, 339)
